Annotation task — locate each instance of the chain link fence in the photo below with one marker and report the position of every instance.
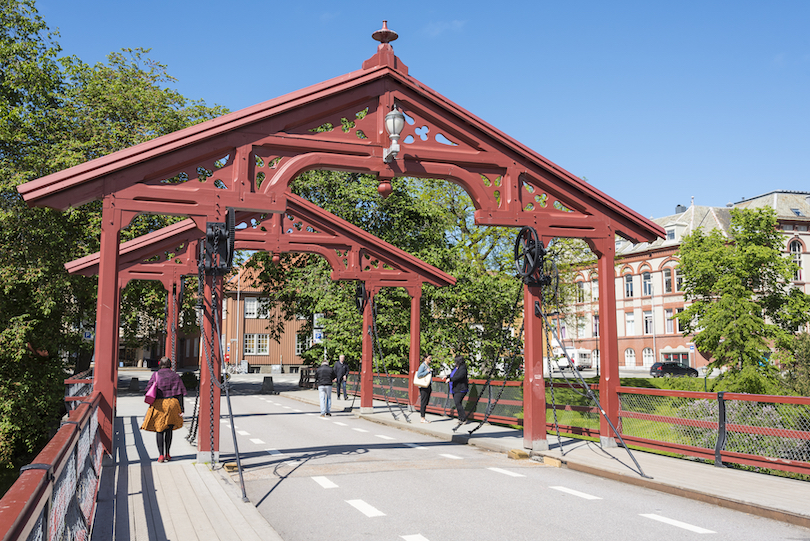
(58, 490)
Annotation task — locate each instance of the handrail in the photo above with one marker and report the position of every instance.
(48, 488)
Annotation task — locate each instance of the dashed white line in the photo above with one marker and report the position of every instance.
(223, 421)
(243, 433)
(340, 424)
(415, 446)
(415, 537)
(507, 472)
(454, 457)
(359, 429)
(677, 523)
(273, 452)
(297, 411)
(381, 436)
(257, 441)
(576, 493)
(324, 482)
(365, 508)
(286, 407)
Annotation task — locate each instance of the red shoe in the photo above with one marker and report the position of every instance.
(160, 458)
(168, 458)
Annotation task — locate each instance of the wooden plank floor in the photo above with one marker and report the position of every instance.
(142, 500)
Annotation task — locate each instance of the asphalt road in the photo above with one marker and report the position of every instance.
(343, 478)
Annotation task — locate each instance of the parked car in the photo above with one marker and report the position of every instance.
(659, 370)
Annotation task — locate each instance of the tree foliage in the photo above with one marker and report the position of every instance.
(472, 318)
(742, 301)
(56, 113)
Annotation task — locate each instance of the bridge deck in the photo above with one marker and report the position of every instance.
(140, 499)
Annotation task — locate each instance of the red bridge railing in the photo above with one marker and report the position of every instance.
(54, 497)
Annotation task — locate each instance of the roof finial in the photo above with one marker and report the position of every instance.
(385, 35)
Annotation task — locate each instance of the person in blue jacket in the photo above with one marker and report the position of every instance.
(459, 385)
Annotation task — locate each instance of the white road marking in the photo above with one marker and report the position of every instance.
(257, 441)
(415, 446)
(243, 433)
(324, 482)
(312, 414)
(274, 452)
(286, 407)
(299, 411)
(576, 493)
(454, 457)
(359, 429)
(384, 437)
(365, 508)
(415, 537)
(507, 472)
(340, 424)
(223, 421)
(678, 523)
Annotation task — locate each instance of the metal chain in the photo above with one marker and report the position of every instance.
(488, 385)
(175, 317)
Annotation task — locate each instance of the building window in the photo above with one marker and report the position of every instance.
(678, 280)
(581, 326)
(257, 344)
(648, 323)
(646, 284)
(628, 286)
(596, 325)
(251, 307)
(796, 257)
(580, 292)
(797, 212)
(629, 357)
(667, 280)
(671, 234)
(562, 329)
(648, 356)
(669, 323)
(302, 343)
(629, 324)
(677, 322)
(681, 358)
(595, 289)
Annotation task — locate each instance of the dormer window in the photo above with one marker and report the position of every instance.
(671, 234)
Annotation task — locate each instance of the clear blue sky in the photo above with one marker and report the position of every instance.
(652, 102)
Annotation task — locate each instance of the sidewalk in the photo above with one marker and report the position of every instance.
(772, 497)
(140, 500)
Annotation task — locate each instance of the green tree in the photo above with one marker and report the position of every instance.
(796, 364)
(469, 318)
(742, 301)
(53, 117)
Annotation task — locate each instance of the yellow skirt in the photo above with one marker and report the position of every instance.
(162, 413)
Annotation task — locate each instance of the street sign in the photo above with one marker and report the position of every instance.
(317, 336)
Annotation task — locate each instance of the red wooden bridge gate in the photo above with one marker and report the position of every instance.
(246, 159)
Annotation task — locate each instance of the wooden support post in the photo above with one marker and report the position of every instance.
(534, 385)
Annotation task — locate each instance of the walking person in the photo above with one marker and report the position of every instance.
(341, 374)
(459, 385)
(324, 376)
(165, 414)
(424, 392)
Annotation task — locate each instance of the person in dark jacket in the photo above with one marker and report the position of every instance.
(459, 385)
(166, 412)
(424, 392)
(341, 373)
(324, 376)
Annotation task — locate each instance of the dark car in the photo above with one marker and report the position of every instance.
(659, 370)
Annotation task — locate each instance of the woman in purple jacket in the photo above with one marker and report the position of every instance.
(166, 412)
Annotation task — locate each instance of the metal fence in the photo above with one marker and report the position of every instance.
(755, 430)
(54, 498)
(78, 388)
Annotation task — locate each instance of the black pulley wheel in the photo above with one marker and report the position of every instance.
(529, 251)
